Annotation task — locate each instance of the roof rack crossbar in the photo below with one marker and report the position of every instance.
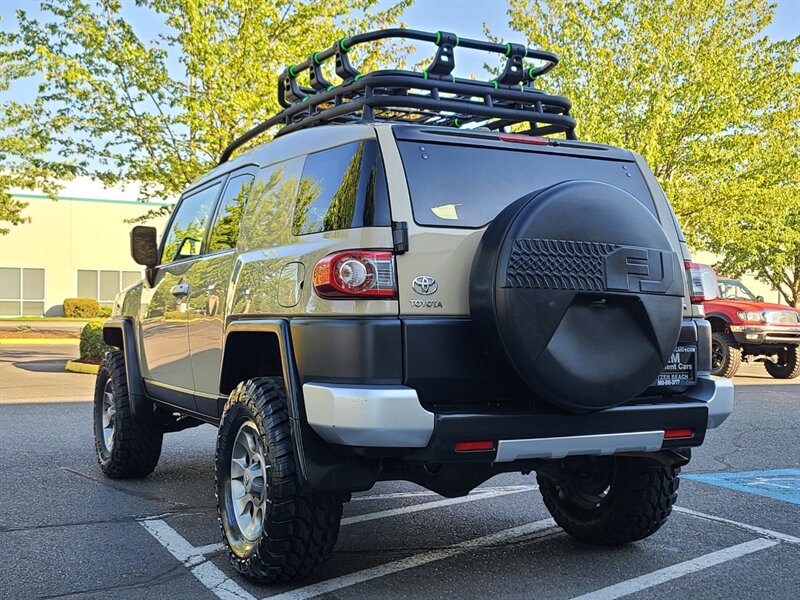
(434, 96)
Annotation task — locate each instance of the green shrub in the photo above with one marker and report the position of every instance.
(105, 312)
(81, 307)
(92, 344)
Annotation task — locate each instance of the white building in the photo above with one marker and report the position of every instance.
(75, 247)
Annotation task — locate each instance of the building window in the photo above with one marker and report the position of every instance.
(21, 292)
(103, 286)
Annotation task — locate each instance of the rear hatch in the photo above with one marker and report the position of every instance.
(458, 181)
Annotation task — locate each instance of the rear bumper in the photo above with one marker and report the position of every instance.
(765, 334)
(392, 417)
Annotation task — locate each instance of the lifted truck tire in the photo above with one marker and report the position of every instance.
(617, 501)
(126, 446)
(273, 529)
(789, 365)
(726, 355)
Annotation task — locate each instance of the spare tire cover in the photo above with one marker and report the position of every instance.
(578, 288)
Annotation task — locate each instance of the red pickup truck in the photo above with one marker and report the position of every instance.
(745, 328)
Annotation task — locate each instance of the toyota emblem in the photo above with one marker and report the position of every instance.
(425, 285)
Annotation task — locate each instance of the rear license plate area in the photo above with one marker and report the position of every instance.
(681, 369)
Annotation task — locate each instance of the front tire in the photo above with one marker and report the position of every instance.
(726, 355)
(273, 529)
(611, 500)
(126, 446)
(788, 364)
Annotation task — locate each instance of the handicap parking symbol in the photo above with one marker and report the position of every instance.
(780, 484)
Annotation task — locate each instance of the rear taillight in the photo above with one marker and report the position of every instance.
(364, 273)
(702, 282)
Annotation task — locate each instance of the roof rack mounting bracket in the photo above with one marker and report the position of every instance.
(289, 93)
(513, 73)
(444, 62)
(318, 81)
(346, 71)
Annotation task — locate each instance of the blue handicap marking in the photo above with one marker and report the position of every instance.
(780, 484)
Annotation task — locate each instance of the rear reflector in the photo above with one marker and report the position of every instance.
(368, 274)
(676, 434)
(474, 446)
(702, 282)
(521, 138)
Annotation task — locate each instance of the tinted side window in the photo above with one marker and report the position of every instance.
(225, 232)
(268, 212)
(342, 187)
(186, 231)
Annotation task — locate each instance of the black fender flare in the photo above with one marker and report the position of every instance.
(120, 332)
(318, 467)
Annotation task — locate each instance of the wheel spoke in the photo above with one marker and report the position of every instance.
(237, 489)
(238, 467)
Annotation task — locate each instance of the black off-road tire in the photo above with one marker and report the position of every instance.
(136, 445)
(640, 498)
(731, 354)
(788, 369)
(300, 527)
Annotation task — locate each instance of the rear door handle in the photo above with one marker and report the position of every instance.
(180, 290)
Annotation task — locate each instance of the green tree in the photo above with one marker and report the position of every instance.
(26, 140)
(705, 97)
(160, 111)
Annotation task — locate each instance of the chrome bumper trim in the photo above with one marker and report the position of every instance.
(560, 447)
(377, 416)
(717, 393)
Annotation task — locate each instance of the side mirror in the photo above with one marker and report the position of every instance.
(144, 246)
(759, 298)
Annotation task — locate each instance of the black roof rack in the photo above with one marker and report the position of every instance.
(432, 97)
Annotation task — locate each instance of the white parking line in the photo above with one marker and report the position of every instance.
(694, 565)
(421, 493)
(404, 510)
(534, 531)
(769, 533)
(206, 572)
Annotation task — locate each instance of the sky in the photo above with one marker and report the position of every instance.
(464, 17)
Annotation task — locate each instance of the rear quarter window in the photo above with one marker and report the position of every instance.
(341, 188)
(467, 186)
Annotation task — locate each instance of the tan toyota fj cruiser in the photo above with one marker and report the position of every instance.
(398, 287)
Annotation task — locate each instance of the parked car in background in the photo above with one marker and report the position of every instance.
(745, 328)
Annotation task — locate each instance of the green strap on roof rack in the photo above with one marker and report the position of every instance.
(341, 43)
(291, 71)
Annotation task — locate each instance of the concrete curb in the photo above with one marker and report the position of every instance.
(77, 367)
(39, 341)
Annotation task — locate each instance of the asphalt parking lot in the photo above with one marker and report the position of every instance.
(66, 532)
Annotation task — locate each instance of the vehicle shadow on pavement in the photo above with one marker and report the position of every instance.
(56, 365)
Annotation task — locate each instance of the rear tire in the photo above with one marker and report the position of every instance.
(126, 446)
(273, 529)
(611, 500)
(726, 355)
(788, 365)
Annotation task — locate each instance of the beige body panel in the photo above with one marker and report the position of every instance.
(444, 253)
(165, 354)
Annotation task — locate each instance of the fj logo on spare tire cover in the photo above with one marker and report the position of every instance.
(588, 266)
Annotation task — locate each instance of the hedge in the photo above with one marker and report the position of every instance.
(93, 347)
(81, 307)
